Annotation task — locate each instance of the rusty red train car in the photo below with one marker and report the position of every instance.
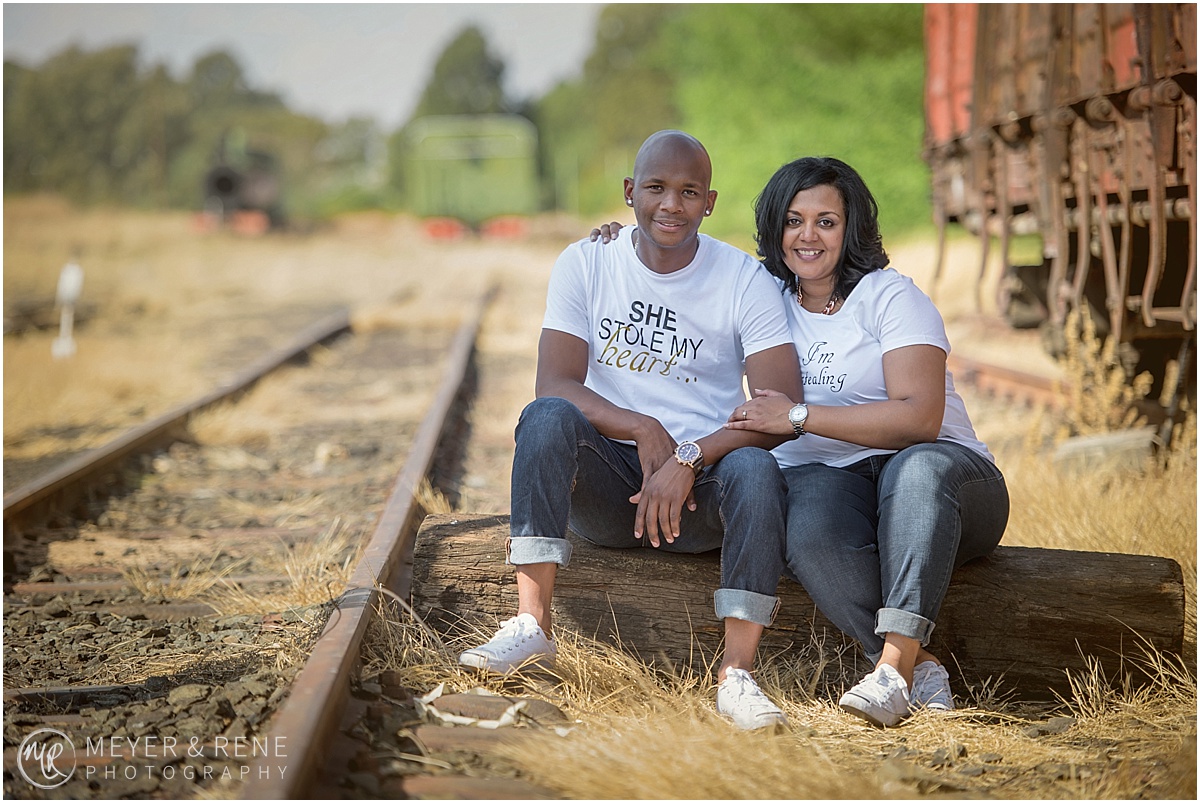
(1075, 123)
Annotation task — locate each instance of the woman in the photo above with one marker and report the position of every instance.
(889, 489)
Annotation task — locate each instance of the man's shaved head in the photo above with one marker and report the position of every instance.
(674, 143)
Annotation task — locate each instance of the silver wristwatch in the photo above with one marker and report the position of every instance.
(689, 454)
(798, 415)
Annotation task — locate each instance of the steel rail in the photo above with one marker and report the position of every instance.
(997, 379)
(306, 722)
(75, 473)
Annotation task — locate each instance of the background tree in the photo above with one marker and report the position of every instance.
(466, 79)
(764, 84)
(590, 128)
(61, 123)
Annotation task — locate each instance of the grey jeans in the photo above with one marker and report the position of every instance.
(874, 544)
(565, 473)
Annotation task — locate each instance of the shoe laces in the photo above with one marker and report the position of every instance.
(929, 682)
(747, 691)
(890, 682)
(513, 632)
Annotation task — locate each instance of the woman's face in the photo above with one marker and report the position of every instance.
(813, 230)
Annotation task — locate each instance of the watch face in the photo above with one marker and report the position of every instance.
(798, 414)
(688, 452)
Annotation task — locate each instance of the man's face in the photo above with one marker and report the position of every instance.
(670, 193)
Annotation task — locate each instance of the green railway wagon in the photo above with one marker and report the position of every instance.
(473, 167)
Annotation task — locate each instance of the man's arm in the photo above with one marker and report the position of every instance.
(561, 369)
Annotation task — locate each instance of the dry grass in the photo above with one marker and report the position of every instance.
(1097, 394)
(643, 733)
(181, 582)
(317, 572)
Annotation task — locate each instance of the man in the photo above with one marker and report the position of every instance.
(642, 353)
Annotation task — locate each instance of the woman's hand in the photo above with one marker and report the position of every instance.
(607, 232)
(767, 412)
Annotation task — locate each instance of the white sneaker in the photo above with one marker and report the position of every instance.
(931, 687)
(519, 643)
(880, 698)
(740, 699)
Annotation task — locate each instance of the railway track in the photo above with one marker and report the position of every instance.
(249, 511)
(999, 381)
(258, 685)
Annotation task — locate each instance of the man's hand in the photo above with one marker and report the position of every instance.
(655, 446)
(661, 500)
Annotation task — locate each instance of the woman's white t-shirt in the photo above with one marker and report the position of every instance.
(841, 361)
(672, 346)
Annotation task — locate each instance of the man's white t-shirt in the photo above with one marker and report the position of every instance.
(841, 361)
(672, 346)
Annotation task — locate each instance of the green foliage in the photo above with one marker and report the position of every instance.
(61, 123)
(466, 79)
(761, 85)
(591, 128)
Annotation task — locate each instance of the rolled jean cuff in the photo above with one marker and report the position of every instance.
(536, 549)
(747, 605)
(903, 623)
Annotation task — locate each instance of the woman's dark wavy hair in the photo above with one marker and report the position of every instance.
(862, 245)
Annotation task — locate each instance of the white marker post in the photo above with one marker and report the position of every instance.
(70, 285)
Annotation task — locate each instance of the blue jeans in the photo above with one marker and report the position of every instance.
(874, 543)
(567, 473)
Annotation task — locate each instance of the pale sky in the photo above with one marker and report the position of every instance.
(331, 60)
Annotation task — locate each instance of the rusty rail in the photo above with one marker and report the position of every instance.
(309, 717)
(1030, 389)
